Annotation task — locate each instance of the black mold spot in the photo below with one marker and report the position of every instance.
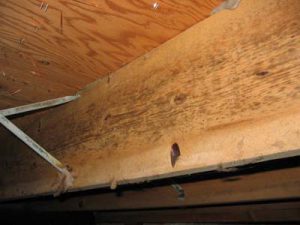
(180, 98)
(44, 62)
(262, 73)
(107, 117)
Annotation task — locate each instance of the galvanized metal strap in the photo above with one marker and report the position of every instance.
(67, 177)
(37, 106)
(31, 143)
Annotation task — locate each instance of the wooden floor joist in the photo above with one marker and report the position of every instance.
(267, 213)
(285, 213)
(246, 186)
(227, 91)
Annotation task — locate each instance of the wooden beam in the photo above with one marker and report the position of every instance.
(214, 189)
(226, 91)
(270, 213)
(10, 218)
(264, 213)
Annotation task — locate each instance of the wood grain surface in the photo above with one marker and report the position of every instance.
(238, 187)
(54, 48)
(227, 91)
(260, 213)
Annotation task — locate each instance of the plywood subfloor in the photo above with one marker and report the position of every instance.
(56, 47)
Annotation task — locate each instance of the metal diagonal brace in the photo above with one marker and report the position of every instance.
(38, 105)
(67, 177)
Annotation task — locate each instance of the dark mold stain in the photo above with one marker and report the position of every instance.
(44, 62)
(262, 73)
(107, 117)
(180, 98)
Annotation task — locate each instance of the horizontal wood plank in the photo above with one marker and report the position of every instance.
(264, 213)
(214, 189)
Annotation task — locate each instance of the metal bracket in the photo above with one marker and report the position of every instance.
(67, 177)
(227, 4)
(179, 190)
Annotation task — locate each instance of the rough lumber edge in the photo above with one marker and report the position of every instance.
(270, 213)
(236, 187)
(226, 90)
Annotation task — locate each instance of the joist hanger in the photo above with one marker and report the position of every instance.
(67, 177)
